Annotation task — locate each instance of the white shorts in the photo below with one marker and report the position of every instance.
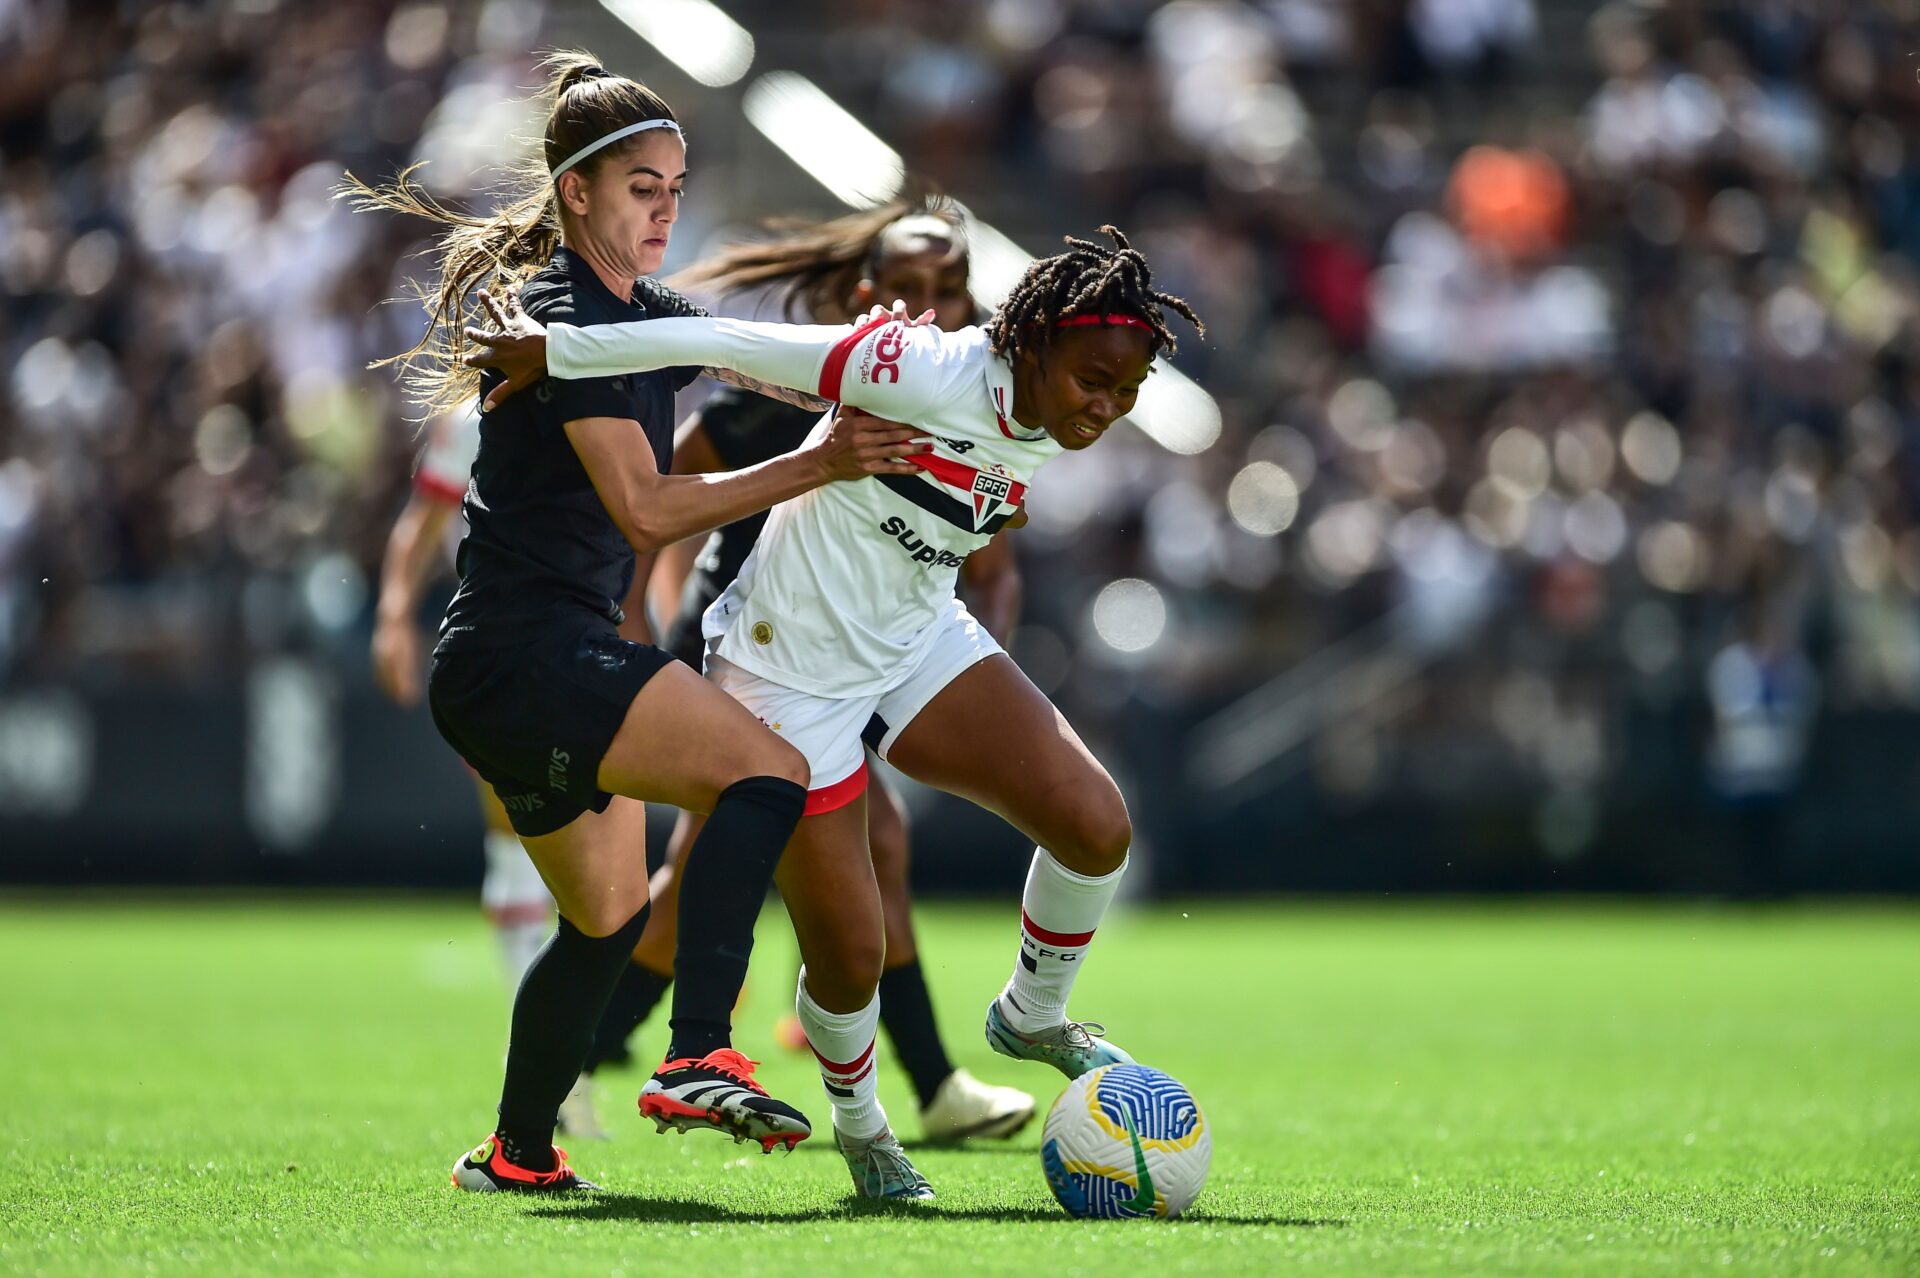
(833, 732)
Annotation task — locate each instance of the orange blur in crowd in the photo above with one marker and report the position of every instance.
(1512, 202)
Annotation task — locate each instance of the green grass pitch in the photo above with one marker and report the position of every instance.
(265, 1086)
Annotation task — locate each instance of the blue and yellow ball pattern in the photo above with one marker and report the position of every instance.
(1126, 1141)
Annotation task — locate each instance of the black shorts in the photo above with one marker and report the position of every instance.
(535, 720)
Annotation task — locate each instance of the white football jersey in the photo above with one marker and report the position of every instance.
(847, 581)
(446, 464)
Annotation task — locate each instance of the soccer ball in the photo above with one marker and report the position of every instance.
(1125, 1141)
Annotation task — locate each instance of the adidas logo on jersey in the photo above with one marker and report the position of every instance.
(923, 553)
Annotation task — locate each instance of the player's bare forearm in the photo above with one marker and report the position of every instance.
(655, 510)
(687, 505)
(785, 394)
(670, 572)
(412, 556)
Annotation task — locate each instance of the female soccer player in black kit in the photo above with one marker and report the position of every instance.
(911, 251)
(846, 611)
(572, 725)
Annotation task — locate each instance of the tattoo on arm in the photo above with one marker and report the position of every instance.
(799, 399)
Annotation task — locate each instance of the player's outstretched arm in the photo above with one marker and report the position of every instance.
(799, 399)
(801, 357)
(413, 551)
(802, 399)
(654, 510)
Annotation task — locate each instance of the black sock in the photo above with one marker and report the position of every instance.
(554, 1014)
(632, 1001)
(906, 1009)
(722, 886)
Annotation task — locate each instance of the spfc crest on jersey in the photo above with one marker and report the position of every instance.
(991, 488)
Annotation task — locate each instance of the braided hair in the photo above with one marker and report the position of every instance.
(1087, 279)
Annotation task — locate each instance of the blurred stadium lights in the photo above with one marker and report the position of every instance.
(1130, 615)
(694, 35)
(462, 135)
(997, 262)
(862, 171)
(1175, 412)
(819, 135)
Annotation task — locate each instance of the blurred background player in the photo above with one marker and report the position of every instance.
(912, 251)
(518, 906)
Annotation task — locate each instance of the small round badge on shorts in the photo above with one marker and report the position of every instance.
(762, 633)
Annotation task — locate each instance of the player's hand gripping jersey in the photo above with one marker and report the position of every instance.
(847, 582)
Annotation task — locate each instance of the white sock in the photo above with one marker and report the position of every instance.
(843, 1044)
(517, 904)
(1058, 914)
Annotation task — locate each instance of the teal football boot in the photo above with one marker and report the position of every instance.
(1072, 1047)
(880, 1167)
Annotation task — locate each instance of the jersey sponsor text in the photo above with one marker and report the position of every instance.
(923, 551)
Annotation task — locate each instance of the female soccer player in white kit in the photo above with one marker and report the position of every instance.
(914, 252)
(846, 611)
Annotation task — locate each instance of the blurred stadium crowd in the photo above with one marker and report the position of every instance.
(1567, 354)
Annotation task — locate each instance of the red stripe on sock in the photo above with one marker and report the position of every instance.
(520, 912)
(838, 795)
(842, 351)
(1070, 940)
(834, 1067)
(844, 1081)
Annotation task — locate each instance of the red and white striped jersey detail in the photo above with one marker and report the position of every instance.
(847, 584)
(835, 368)
(1000, 419)
(446, 463)
(435, 488)
(961, 476)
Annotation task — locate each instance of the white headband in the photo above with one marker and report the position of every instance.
(611, 138)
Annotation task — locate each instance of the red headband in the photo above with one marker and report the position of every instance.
(1124, 321)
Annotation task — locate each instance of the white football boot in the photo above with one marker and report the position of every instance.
(965, 1107)
(580, 1115)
